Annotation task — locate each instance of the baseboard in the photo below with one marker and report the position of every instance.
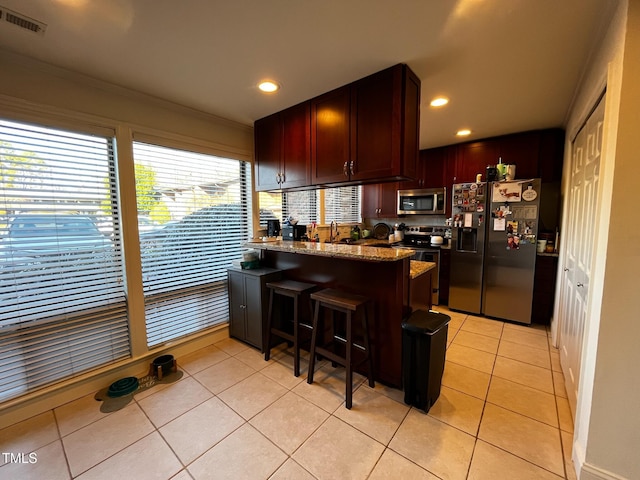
(591, 472)
(30, 405)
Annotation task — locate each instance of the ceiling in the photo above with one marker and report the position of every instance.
(506, 65)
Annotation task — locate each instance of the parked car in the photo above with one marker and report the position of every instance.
(42, 239)
(202, 244)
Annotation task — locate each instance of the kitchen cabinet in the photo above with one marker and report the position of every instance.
(249, 302)
(544, 288)
(473, 158)
(367, 131)
(443, 279)
(331, 136)
(380, 200)
(283, 149)
(537, 153)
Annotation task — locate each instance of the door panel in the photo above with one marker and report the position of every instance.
(580, 227)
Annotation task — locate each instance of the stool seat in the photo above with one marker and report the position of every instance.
(340, 299)
(297, 291)
(291, 286)
(351, 305)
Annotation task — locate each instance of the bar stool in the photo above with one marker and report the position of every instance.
(351, 306)
(299, 292)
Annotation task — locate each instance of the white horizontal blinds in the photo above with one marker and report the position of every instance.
(270, 207)
(342, 204)
(194, 214)
(62, 302)
(302, 205)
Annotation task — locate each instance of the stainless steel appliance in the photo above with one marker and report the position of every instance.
(493, 248)
(293, 232)
(425, 201)
(418, 238)
(469, 201)
(510, 254)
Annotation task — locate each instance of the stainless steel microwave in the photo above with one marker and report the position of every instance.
(424, 201)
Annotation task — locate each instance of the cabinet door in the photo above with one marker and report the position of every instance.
(375, 138)
(371, 201)
(330, 137)
(237, 305)
(443, 283)
(551, 157)
(473, 158)
(296, 146)
(268, 152)
(523, 151)
(432, 164)
(254, 310)
(389, 200)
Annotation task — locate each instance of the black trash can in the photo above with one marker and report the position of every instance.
(424, 342)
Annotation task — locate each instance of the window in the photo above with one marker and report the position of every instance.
(343, 204)
(340, 204)
(194, 213)
(302, 206)
(63, 308)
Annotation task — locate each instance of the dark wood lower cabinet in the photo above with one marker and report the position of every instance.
(249, 303)
(443, 284)
(544, 289)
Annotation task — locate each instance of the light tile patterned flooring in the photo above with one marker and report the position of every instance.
(502, 414)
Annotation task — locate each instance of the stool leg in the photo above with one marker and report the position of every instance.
(266, 335)
(314, 337)
(367, 345)
(349, 380)
(296, 345)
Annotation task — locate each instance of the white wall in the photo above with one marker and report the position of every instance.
(607, 427)
(44, 84)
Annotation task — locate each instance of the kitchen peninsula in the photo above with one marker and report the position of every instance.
(385, 275)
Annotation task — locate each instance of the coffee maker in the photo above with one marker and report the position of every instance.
(273, 228)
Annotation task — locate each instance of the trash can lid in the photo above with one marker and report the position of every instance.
(422, 321)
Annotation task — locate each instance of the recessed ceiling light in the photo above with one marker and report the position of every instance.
(463, 133)
(439, 101)
(268, 86)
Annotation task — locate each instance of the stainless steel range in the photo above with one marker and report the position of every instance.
(420, 239)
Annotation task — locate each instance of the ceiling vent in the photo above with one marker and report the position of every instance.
(22, 21)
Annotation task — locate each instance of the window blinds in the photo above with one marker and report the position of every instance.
(343, 205)
(62, 302)
(194, 213)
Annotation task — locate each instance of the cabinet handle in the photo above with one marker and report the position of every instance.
(278, 178)
(566, 269)
(282, 178)
(580, 284)
(351, 167)
(243, 306)
(344, 169)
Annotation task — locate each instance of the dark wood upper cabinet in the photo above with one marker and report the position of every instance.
(380, 200)
(331, 136)
(283, 149)
(364, 132)
(473, 158)
(536, 153)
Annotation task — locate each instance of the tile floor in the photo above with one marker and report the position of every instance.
(502, 413)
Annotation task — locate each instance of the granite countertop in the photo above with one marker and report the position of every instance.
(419, 268)
(340, 250)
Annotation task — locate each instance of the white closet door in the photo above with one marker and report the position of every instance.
(580, 235)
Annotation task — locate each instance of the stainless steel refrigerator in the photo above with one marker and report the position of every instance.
(493, 248)
(469, 201)
(510, 252)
